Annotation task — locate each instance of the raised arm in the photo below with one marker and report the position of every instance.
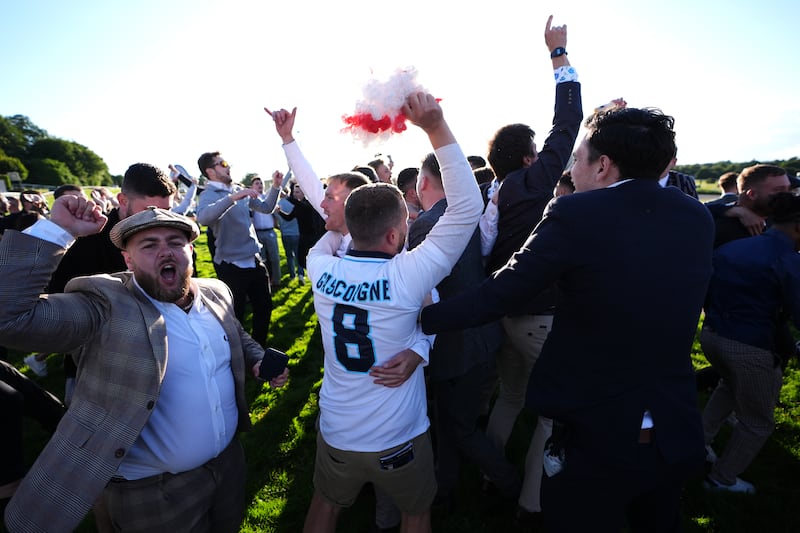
(77, 215)
(302, 169)
(423, 110)
(269, 203)
(432, 260)
(555, 37)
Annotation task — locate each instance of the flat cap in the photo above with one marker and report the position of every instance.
(152, 217)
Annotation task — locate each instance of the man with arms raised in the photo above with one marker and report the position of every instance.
(367, 304)
(614, 373)
(161, 365)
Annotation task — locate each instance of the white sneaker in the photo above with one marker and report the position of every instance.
(711, 457)
(38, 367)
(301, 279)
(741, 486)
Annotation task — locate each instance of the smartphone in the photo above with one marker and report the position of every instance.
(272, 365)
(398, 458)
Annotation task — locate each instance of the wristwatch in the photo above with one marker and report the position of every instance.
(558, 52)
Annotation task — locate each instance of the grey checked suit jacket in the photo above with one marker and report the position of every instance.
(118, 339)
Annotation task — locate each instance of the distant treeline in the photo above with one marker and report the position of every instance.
(42, 159)
(710, 172)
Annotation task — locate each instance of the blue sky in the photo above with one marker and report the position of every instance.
(162, 81)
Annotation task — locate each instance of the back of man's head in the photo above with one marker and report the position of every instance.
(483, 175)
(142, 179)
(508, 149)
(476, 161)
(432, 171)
(641, 142)
(375, 163)
(367, 172)
(755, 175)
(371, 210)
(727, 182)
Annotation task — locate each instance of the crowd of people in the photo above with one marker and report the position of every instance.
(568, 278)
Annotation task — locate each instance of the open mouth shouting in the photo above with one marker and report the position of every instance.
(168, 273)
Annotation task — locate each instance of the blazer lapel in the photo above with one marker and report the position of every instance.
(156, 327)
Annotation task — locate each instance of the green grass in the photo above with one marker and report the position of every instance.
(280, 448)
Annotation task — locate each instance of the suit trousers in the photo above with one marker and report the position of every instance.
(270, 253)
(457, 404)
(525, 336)
(249, 284)
(206, 499)
(750, 385)
(590, 494)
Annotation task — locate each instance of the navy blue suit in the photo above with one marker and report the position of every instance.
(632, 264)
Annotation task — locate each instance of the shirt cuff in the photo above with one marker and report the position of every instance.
(50, 232)
(566, 73)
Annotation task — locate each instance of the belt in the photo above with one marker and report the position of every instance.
(166, 475)
(646, 435)
(265, 229)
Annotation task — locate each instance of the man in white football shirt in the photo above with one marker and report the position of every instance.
(367, 303)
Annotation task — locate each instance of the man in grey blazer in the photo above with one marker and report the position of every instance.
(161, 368)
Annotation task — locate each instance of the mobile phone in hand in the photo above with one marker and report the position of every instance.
(272, 365)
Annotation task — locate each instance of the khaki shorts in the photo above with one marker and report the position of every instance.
(404, 472)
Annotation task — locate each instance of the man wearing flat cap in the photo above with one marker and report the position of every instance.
(161, 360)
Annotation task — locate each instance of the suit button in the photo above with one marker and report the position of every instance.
(119, 453)
(150, 404)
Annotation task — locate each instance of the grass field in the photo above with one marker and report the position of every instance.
(280, 448)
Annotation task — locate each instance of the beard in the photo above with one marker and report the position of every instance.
(151, 285)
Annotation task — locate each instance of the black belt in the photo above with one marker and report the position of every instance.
(265, 229)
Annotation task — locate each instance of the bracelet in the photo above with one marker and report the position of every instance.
(558, 52)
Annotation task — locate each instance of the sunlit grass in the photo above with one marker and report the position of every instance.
(280, 448)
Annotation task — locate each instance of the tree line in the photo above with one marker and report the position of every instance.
(710, 172)
(43, 159)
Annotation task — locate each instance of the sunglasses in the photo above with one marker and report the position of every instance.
(223, 164)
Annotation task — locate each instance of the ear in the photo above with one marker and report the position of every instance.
(128, 261)
(422, 183)
(122, 198)
(392, 238)
(607, 171)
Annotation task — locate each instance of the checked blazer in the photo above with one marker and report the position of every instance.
(118, 339)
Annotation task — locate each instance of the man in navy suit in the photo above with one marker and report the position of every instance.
(632, 262)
